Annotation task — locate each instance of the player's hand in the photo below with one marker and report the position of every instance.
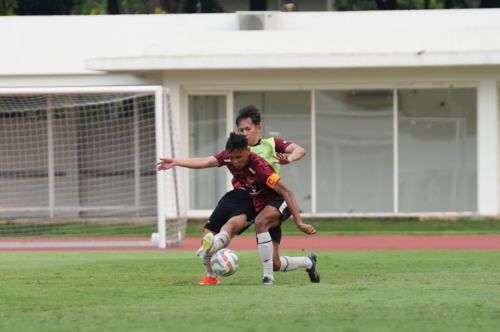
(281, 159)
(164, 164)
(308, 229)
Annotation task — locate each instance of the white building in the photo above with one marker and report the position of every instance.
(399, 111)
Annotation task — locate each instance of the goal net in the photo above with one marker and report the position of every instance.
(77, 169)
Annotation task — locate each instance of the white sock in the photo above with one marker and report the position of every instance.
(266, 253)
(208, 267)
(293, 263)
(221, 241)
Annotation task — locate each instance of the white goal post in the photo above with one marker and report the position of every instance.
(85, 156)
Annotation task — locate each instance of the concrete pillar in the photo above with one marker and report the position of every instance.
(488, 147)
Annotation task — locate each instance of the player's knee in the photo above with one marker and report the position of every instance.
(263, 224)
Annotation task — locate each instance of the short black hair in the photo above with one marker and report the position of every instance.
(236, 142)
(251, 112)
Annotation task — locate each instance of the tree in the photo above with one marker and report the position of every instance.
(386, 4)
(113, 7)
(256, 5)
(8, 7)
(489, 4)
(38, 7)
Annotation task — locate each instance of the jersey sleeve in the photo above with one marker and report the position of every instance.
(221, 158)
(281, 145)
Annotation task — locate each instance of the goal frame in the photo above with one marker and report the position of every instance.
(160, 125)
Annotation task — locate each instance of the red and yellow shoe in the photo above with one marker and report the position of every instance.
(209, 281)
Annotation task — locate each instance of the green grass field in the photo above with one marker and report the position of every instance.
(158, 291)
(78, 228)
(379, 226)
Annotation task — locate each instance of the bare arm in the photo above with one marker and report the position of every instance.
(289, 197)
(197, 163)
(296, 153)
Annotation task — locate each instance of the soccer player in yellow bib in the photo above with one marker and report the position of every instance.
(274, 203)
(235, 211)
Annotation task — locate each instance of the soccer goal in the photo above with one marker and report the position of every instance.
(77, 168)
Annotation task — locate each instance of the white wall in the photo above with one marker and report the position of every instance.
(56, 51)
(48, 45)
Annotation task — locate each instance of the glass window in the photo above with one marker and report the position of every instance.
(354, 144)
(207, 137)
(286, 115)
(437, 150)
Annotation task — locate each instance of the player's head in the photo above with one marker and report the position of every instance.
(248, 123)
(238, 150)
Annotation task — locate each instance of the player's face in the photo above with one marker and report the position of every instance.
(239, 158)
(249, 130)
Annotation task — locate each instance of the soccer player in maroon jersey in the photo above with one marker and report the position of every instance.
(274, 201)
(235, 211)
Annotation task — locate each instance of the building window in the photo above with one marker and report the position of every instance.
(286, 115)
(437, 150)
(207, 136)
(354, 144)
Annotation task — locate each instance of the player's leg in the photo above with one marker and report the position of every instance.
(228, 231)
(213, 226)
(287, 263)
(211, 278)
(241, 217)
(206, 243)
(268, 218)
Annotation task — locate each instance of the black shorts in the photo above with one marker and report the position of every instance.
(279, 203)
(232, 204)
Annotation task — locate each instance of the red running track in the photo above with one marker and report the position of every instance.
(307, 243)
(368, 242)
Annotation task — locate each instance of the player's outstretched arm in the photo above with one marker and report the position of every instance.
(296, 153)
(197, 163)
(289, 197)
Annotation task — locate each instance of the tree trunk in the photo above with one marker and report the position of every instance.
(113, 8)
(489, 4)
(386, 4)
(258, 5)
(182, 6)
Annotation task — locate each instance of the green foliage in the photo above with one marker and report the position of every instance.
(157, 291)
(8, 7)
(99, 7)
(91, 7)
(207, 6)
(419, 4)
(355, 5)
(358, 5)
(37, 7)
(377, 227)
(195, 228)
(75, 229)
(160, 11)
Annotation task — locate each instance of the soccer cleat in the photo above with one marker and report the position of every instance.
(267, 281)
(208, 242)
(209, 281)
(313, 272)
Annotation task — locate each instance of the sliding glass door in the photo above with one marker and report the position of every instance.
(207, 136)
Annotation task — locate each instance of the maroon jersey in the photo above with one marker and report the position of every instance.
(280, 145)
(258, 177)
